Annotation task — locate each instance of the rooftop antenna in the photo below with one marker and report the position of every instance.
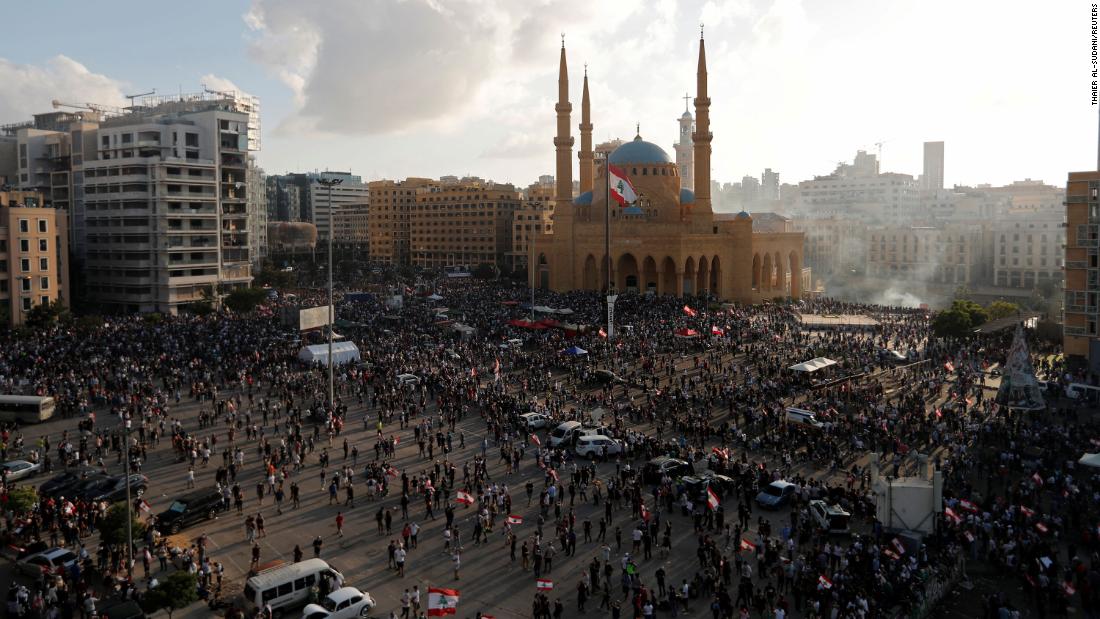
(144, 94)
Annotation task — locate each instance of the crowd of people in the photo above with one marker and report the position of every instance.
(264, 433)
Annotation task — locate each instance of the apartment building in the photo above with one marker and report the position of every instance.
(34, 255)
(833, 246)
(1082, 271)
(391, 203)
(951, 254)
(535, 216)
(167, 206)
(467, 222)
(1027, 249)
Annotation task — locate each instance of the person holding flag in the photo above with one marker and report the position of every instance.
(442, 601)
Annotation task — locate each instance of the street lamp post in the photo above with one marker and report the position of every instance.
(330, 182)
(129, 503)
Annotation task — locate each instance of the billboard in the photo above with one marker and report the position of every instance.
(307, 318)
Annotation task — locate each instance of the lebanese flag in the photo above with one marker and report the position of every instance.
(747, 545)
(621, 189)
(442, 602)
(690, 312)
(824, 582)
(950, 513)
(950, 367)
(968, 506)
(969, 536)
(473, 372)
(535, 440)
(890, 553)
(723, 453)
(645, 512)
(1041, 527)
(712, 499)
(392, 472)
(554, 474)
(514, 519)
(1068, 588)
(714, 330)
(544, 583)
(144, 506)
(1037, 478)
(898, 546)
(1026, 511)
(464, 497)
(602, 332)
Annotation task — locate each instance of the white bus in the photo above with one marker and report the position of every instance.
(26, 408)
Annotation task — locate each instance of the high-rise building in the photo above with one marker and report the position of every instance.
(350, 207)
(1082, 272)
(535, 216)
(464, 223)
(34, 255)
(256, 198)
(769, 185)
(388, 218)
(685, 149)
(1027, 249)
(167, 204)
(932, 179)
(284, 197)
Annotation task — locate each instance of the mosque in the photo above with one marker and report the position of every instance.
(669, 241)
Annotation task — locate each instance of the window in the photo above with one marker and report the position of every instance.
(43, 245)
(25, 286)
(24, 245)
(43, 264)
(286, 589)
(43, 225)
(25, 265)
(26, 304)
(24, 225)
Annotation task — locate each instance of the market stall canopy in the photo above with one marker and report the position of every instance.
(1090, 460)
(813, 365)
(342, 352)
(574, 351)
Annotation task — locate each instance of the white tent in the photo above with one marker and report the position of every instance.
(342, 352)
(1090, 460)
(812, 365)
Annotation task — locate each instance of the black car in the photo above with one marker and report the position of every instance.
(68, 483)
(696, 485)
(188, 510)
(113, 489)
(660, 466)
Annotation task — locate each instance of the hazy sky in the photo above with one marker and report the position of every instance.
(394, 88)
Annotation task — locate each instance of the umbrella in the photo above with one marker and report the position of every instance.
(435, 297)
(574, 351)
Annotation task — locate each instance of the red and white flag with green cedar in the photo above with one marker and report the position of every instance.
(621, 189)
(442, 602)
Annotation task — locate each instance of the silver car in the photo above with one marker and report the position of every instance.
(15, 470)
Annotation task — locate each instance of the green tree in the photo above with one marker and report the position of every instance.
(22, 499)
(199, 308)
(276, 278)
(952, 323)
(1002, 309)
(176, 591)
(112, 529)
(244, 300)
(45, 314)
(977, 313)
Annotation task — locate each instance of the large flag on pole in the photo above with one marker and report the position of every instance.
(619, 185)
(442, 602)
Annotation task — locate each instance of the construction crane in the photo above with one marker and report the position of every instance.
(144, 94)
(89, 107)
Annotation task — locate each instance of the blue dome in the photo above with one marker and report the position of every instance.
(743, 215)
(585, 199)
(638, 151)
(687, 196)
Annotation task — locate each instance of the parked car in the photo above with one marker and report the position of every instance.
(14, 470)
(657, 468)
(535, 421)
(696, 485)
(776, 494)
(188, 510)
(344, 603)
(113, 489)
(65, 483)
(594, 445)
(46, 561)
(830, 517)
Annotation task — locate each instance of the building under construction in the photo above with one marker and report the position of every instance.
(165, 200)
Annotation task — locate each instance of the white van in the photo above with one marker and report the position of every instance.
(564, 433)
(1083, 393)
(804, 417)
(286, 587)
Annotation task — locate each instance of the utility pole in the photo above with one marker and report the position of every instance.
(129, 504)
(330, 182)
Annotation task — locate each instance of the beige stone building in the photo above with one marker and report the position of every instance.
(951, 254)
(669, 242)
(390, 204)
(462, 223)
(34, 254)
(534, 218)
(1082, 270)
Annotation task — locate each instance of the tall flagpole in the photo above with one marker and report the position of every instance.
(611, 296)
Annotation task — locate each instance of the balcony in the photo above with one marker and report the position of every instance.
(1078, 331)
